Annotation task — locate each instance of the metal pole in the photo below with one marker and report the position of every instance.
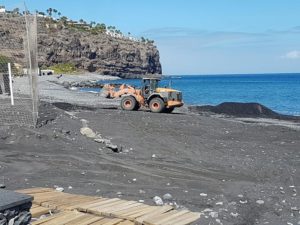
(11, 85)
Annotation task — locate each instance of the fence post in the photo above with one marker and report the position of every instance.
(10, 85)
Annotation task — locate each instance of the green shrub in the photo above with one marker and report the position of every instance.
(66, 68)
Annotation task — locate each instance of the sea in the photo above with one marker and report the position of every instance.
(279, 92)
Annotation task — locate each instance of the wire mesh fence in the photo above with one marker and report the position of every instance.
(18, 69)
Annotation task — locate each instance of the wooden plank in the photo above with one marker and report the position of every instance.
(31, 191)
(115, 212)
(157, 212)
(45, 220)
(134, 210)
(184, 219)
(162, 219)
(38, 211)
(127, 222)
(133, 216)
(107, 221)
(80, 220)
(86, 206)
(91, 221)
(65, 218)
(98, 210)
(82, 206)
(107, 211)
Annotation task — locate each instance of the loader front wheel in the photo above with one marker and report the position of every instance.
(129, 103)
(157, 105)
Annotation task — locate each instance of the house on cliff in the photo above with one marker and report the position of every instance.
(2, 9)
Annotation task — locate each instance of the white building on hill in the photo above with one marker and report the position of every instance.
(2, 9)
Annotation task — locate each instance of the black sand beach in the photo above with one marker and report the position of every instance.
(231, 171)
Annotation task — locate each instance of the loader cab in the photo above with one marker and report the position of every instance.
(149, 85)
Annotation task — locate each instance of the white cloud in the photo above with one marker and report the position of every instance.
(292, 55)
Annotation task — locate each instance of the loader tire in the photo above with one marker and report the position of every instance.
(129, 103)
(157, 105)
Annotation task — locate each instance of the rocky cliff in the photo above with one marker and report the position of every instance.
(98, 53)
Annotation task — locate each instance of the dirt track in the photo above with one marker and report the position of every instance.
(186, 155)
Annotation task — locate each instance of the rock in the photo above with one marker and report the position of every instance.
(203, 194)
(60, 189)
(88, 132)
(141, 201)
(102, 140)
(142, 191)
(260, 202)
(219, 203)
(114, 148)
(2, 186)
(66, 84)
(153, 156)
(157, 200)
(214, 214)
(134, 179)
(70, 187)
(167, 196)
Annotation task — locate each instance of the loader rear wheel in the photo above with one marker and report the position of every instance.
(129, 103)
(157, 105)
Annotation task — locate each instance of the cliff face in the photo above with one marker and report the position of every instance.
(99, 53)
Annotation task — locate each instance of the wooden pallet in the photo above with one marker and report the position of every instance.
(81, 209)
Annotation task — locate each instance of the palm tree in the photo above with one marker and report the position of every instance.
(55, 11)
(49, 11)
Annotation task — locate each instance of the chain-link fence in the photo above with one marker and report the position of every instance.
(18, 69)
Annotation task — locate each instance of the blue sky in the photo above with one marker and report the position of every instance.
(198, 36)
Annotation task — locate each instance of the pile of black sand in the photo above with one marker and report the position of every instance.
(237, 109)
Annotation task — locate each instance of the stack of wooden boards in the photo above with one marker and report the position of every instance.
(73, 209)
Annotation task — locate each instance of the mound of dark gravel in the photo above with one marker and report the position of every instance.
(238, 109)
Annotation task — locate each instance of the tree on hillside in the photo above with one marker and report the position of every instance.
(92, 23)
(64, 20)
(16, 11)
(59, 14)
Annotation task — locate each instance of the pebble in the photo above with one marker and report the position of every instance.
(243, 202)
(141, 201)
(2, 186)
(207, 210)
(119, 193)
(70, 187)
(203, 194)
(157, 200)
(153, 156)
(142, 191)
(260, 202)
(241, 196)
(219, 203)
(234, 214)
(98, 190)
(134, 179)
(167, 196)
